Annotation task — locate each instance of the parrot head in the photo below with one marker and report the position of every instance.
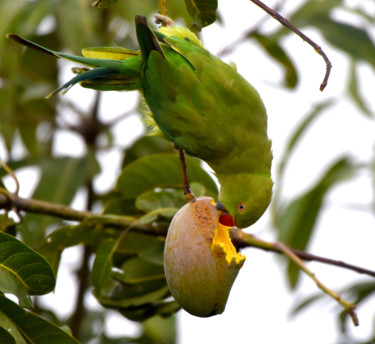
(244, 198)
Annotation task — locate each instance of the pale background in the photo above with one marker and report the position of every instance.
(258, 309)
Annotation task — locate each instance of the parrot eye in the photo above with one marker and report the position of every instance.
(241, 207)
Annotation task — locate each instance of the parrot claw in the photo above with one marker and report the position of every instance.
(161, 19)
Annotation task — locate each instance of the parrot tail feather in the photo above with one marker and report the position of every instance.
(87, 74)
(30, 44)
(146, 38)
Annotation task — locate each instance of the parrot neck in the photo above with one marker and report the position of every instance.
(251, 161)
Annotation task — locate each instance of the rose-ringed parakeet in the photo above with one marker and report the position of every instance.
(197, 101)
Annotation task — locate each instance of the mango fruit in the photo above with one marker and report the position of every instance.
(200, 260)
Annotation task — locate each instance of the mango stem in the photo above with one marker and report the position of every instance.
(187, 191)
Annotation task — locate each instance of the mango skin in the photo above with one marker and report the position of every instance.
(200, 265)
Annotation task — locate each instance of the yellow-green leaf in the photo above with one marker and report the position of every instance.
(203, 12)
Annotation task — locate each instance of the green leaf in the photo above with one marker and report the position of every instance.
(68, 236)
(29, 328)
(312, 11)
(295, 222)
(203, 12)
(142, 313)
(23, 271)
(6, 338)
(129, 275)
(307, 302)
(159, 330)
(60, 180)
(161, 171)
(292, 144)
(151, 200)
(298, 133)
(127, 296)
(136, 270)
(149, 247)
(121, 206)
(147, 145)
(353, 40)
(163, 203)
(274, 49)
(102, 268)
(354, 92)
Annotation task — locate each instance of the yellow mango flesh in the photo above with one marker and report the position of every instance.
(200, 261)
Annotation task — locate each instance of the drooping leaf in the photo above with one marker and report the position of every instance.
(136, 270)
(292, 144)
(354, 41)
(159, 330)
(360, 292)
(295, 222)
(28, 328)
(23, 271)
(102, 268)
(354, 91)
(161, 171)
(274, 49)
(203, 12)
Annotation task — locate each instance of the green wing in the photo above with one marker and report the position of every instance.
(201, 103)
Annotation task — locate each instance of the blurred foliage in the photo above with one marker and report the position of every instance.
(127, 273)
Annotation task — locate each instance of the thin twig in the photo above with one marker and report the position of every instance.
(349, 307)
(241, 239)
(287, 24)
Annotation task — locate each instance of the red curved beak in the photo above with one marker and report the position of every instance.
(225, 218)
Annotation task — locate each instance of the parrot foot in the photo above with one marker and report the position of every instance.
(164, 20)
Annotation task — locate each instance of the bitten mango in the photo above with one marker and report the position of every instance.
(201, 263)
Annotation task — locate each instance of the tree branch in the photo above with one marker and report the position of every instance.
(240, 239)
(12, 201)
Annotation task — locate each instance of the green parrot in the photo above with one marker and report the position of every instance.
(198, 102)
